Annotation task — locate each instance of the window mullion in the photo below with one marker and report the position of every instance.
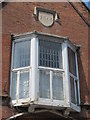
(77, 77)
(17, 90)
(34, 67)
(51, 89)
(67, 91)
(30, 83)
(12, 68)
(75, 91)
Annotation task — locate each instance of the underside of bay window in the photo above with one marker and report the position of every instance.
(44, 71)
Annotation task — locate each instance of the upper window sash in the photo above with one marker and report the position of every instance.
(72, 61)
(21, 54)
(50, 54)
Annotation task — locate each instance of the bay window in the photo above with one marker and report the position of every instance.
(44, 71)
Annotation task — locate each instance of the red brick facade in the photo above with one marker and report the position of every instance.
(18, 18)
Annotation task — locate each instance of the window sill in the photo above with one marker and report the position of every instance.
(75, 107)
(48, 103)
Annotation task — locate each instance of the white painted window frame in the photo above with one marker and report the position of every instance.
(19, 101)
(51, 70)
(34, 76)
(66, 84)
(76, 78)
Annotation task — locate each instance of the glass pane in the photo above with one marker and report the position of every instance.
(77, 92)
(14, 85)
(57, 85)
(24, 85)
(22, 54)
(44, 83)
(72, 61)
(50, 54)
(72, 90)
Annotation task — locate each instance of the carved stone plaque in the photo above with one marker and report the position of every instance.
(46, 18)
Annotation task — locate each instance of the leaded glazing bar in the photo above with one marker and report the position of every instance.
(50, 54)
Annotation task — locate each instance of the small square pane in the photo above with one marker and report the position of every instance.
(57, 85)
(44, 84)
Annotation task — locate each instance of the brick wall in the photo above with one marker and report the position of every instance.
(18, 18)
